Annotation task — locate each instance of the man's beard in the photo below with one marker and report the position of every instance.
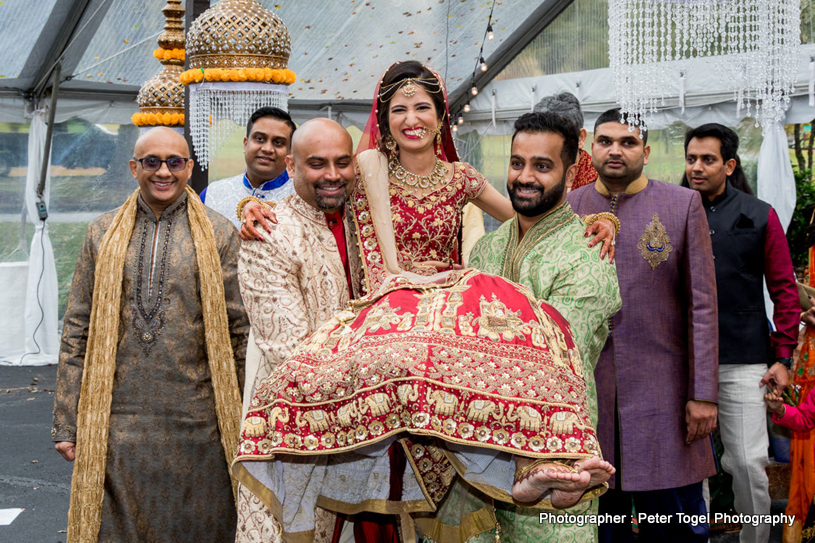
(333, 202)
(543, 203)
(607, 173)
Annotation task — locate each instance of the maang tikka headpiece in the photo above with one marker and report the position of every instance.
(408, 86)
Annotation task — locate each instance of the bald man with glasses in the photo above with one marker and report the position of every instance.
(151, 363)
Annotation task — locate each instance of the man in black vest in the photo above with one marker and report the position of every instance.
(748, 246)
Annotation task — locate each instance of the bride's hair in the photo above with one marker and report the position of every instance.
(395, 78)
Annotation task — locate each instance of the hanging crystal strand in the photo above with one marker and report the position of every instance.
(661, 57)
(764, 44)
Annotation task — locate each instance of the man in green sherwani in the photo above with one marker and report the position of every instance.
(544, 248)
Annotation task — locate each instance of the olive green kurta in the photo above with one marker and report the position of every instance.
(166, 477)
(554, 261)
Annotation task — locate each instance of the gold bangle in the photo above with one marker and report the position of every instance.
(244, 201)
(591, 219)
(523, 473)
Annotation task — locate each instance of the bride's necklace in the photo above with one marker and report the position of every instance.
(404, 177)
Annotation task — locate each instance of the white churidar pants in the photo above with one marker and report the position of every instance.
(743, 426)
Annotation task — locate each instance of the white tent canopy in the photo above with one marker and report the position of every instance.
(339, 51)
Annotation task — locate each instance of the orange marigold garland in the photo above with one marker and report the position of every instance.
(158, 119)
(257, 75)
(169, 54)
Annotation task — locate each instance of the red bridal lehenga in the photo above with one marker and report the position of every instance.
(474, 361)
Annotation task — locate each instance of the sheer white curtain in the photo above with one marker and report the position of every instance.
(41, 344)
(776, 182)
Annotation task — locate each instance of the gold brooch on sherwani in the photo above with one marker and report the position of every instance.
(654, 244)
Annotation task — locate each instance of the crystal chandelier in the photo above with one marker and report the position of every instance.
(238, 53)
(753, 44)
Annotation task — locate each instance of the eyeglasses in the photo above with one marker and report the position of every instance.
(152, 164)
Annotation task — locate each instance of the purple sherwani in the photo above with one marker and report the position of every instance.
(663, 347)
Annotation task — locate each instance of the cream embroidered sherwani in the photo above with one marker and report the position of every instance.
(292, 282)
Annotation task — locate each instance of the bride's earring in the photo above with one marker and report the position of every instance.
(390, 143)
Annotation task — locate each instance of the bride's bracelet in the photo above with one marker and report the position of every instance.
(244, 201)
(591, 219)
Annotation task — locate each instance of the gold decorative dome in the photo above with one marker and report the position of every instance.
(238, 34)
(161, 98)
(162, 92)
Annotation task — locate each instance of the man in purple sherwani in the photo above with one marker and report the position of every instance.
(657, 375)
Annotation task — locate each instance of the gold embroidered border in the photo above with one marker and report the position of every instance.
(430, 433)
(383, 507)
(404, 380)
(547, 225)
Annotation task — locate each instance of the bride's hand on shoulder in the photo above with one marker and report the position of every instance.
(255, 214)
(603, 231)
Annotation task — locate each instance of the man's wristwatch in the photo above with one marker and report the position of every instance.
(786, 361)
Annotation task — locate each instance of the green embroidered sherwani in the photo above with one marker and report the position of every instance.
(554, 261)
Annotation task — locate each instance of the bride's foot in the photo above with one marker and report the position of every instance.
(566, 485)
(599, 470)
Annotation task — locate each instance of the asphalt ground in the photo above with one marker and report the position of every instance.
(34, 477)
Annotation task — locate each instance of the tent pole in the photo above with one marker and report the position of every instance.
(46, 157)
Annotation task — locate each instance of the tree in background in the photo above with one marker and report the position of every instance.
(805, 194)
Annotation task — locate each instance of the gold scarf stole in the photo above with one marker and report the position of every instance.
(93, 418)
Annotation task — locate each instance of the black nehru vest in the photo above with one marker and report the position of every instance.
(738, 226)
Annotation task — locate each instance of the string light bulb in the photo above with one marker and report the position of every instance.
(455, 128)
(483, 64)
(474, 90)
(490, 34)
(461, 119)
(467, 107)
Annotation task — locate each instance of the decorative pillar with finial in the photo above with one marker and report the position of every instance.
(161, 98)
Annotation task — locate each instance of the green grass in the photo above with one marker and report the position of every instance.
(66, 239)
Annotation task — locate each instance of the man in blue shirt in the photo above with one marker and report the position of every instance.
(267, 142)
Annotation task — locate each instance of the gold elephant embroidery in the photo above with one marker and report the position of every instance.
(278, 414)
(563, 423)
(530, 417)
(378, 403)
(345, 414)
(254, 427)
(481, 410)
(317, 420)
(407, 393)
(443, 402)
